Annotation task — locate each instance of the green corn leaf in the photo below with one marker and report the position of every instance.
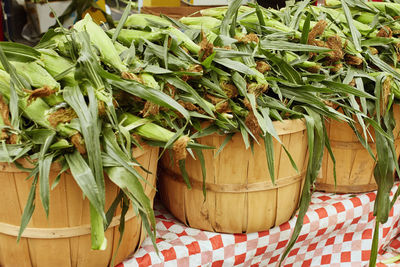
(331, 155)
(185, 176)
(269, 151)
(147, 227)
(29, 208)
(8, 151)
(44, 171)
(290, 158)
(306, 195)
(260, 15)
(85, 179)
(224, 143)
(121, 227)
(290, 46)
(112, 209)
(270, 126)
(230, 13)
(99, 242)
(208, 61)
(377, 127)
(173, 61)
(205, 132)
(384, 66)
(240, 83)
(19, 52)
(374, 247)
(165, 51)
(245, 132)
(376, 41)
(355, 34)
(200, 156)
(345, 88)
(306, 29)
(115, 152)
(64, 168)
(129, 55)
(47, 39)
(90, 129)
(147, 93)
(287, 70)
(122, 21)
(15, 86)
(235, 65)
(213, 86)
(295, 19)
(226, 53)
(232, 29)
(133, 189)
(156, 70)
(179, 83)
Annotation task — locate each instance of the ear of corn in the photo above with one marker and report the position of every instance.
(204, 22)
(35, 74)
(147, 130)
(127, 36)
(120, 48)
(149, 80)
(145, 20)
(37, 110)
(103, 43)
(181, 37)
(55, 65)
(219, 12)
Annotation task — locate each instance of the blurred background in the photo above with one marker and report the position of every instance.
(26, 21)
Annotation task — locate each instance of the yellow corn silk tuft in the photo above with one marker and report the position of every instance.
(180, 148)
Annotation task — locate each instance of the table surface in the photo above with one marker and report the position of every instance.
(337, 231)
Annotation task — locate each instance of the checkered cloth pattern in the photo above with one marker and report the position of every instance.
(390, 251)
(337, 231)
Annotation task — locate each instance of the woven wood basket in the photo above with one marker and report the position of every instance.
(64, 238)
(354, 165)
(240, 195)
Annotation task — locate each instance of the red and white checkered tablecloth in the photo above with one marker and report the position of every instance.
(337, 231)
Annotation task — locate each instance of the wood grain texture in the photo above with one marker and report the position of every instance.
(354, 165)
(240, 195)
(69, 210)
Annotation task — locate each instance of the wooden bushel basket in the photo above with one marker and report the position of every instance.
(354, 165)
(64, 238)
(240, 195)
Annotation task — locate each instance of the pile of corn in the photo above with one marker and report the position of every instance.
(87, 94)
